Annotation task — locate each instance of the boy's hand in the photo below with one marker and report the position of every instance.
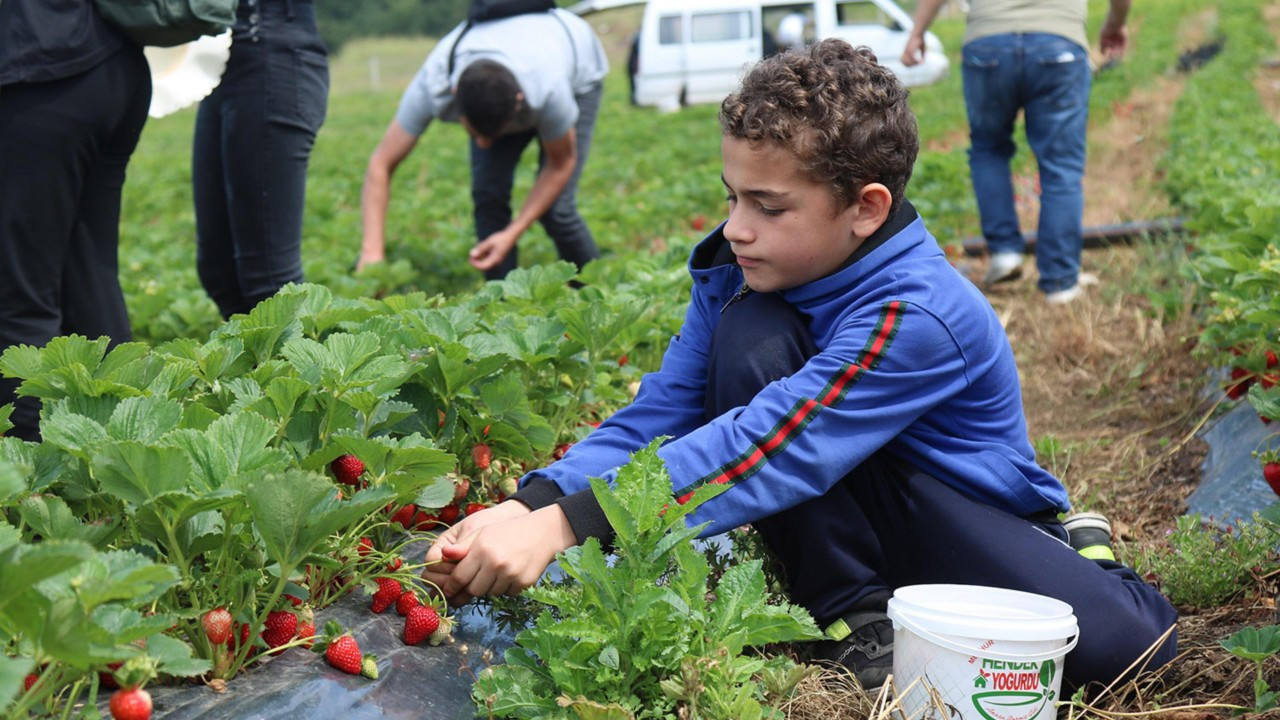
(504, 558)
(438, 567)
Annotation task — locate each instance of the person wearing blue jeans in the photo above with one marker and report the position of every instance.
(73, 101)
(1029, 56)
(253, 141)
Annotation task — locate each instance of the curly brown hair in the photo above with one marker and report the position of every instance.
(843, 115)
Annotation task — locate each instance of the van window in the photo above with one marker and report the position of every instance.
(669, 30)
(861, 12)
(720, 26)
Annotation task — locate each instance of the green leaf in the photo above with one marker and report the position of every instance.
(11, 481)
(23, 566)
(5, 412)
(123, 575)
(295, 511)
(1256, 644)
(245, 438)
(144, 419)
(124, 625)
(173, 657)
(72, 432)
(13, 672)
(137, 473)
(51, 519)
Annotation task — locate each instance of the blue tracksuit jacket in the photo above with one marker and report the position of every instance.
(912, 359)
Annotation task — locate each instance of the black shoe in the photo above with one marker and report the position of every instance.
(1090, 534)
(862, 642)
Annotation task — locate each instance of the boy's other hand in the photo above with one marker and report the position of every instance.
(504, 558)
(439, 564)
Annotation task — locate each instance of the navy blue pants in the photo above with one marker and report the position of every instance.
(64, 146)
(493, 171)
(253, 140)
(887, 525)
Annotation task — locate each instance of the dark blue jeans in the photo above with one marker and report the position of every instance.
(64, 146)
(253, 140)
(493, 171)
(1047, 77)
(887, 525)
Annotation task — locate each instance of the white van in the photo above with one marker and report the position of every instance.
(694, 51)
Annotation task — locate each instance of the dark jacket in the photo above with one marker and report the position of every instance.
(42, 40)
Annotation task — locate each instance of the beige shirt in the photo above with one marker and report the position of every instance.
(1056, 17)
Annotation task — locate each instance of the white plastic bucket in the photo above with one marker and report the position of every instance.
(991, 654)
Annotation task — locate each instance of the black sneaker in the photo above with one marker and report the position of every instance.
(862, 642)
(1090, 534)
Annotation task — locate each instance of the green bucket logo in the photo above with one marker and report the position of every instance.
(1013, 690)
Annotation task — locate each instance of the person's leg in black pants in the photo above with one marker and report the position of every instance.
(886, 525)
(252, 146)
(493, 172)
(65, 144)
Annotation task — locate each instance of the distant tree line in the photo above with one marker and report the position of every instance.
(343, 20)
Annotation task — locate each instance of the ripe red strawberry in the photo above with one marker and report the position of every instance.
(460, 489)
(1271, 473)
(107, 678)
(448, 514)
(395, 564)
(622, 361)
(408, 600)
(306, 632)
(280, 627)
(217, 625)
(347, 469)
(130, 704)
(482, 455)
(344, 654)
(388, 593)
(364, 547)
(420, 623)
(560, 450)
(1273, 360)
(425, 521)
(1241, 379)
(404, 515)
(473, 508)
(28, 681)
(699, 222)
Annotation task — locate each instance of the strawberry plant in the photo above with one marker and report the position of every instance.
(1203, 566)
(626, 636)
(1257, 645)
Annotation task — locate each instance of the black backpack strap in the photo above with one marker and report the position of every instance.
(453, 51)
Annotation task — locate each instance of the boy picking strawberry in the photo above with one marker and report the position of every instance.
(858, 395)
